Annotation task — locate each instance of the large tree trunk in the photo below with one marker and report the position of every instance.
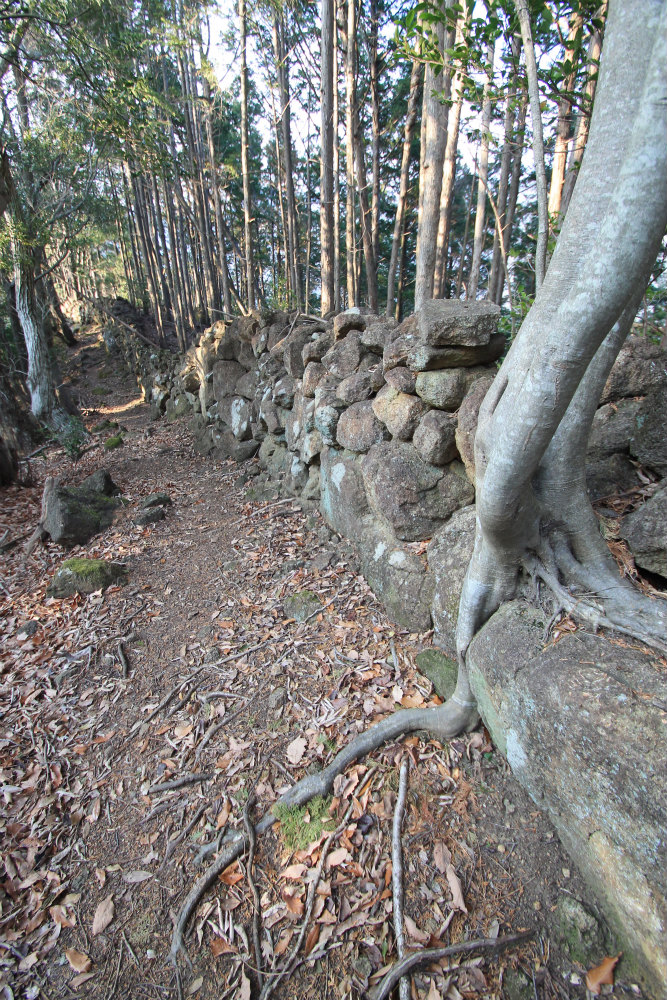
(434, 140)
(534, 519)
(350, 102)
(245, 166)
(401, 204)
(480, 214)
(282, 71)
(326, 158)
(500, 242)
(564, 124)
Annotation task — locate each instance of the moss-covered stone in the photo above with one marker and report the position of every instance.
(156, 500)
(441, 670)
(579, 933)
(113, 442)
(302, 605)
(85, 576)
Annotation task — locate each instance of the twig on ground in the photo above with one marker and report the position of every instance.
(173, 844)
(397, 874)
(186, 779)
(310, 902)
(214, 730)
(256, 904)
(122, 656)
(427, 956)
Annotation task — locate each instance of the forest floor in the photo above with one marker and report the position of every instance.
(116, 795)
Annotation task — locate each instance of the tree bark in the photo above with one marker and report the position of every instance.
(245, 166)
(435, 115)
(282, 70)
(563, 126)
(326, 157)
(480, 213)
(538, 143)
(499, 238)
(534, 519)
(350, 103)
(401, 204)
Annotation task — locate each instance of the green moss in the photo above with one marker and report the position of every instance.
(100, 390)
(87, 568)
(296, 833)
(113, 442)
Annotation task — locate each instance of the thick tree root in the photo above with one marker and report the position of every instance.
(443, 722)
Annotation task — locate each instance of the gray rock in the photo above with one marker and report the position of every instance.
(606, 797)
(296, 475)
(271, 416)
(328, 409)
(396, 352)
(398, 411)
(225, 375)
(343, 500)
(177, 406)
(241, 418)
(450, 322)
(640, 367)
(311, 446)
(423, 358)
(150, 516)
(312, 376)
(99, 481)
(416, 498)
(85, 576)
(273, 455)
(358, 428)
(283, 392)
(466, 427)
(609, 476)
(156, 500)
(435, 438)
(247, 385)
(311, 491)
(315, 350)
(401, 379)
(448, 556)
(355, 388)
(227, 445)
(377, 335)
(645, 531)
(649, 441)
(578, 932)
(277, 699)
(293, 351)
(351, 319)
(398, 577)
(613, 426)
(345, 356)
(443, 389)
(72, 516)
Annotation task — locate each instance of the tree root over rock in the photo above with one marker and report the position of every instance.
(455, 716)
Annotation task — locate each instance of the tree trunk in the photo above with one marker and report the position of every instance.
(374, 71)
(350, 102)
(282, 69)
(336, 165)
(499, 238)
(326, 158)
(435, 115)
(563, 126)
(584, 116)
(217, 204)
(245, 166)
(513, 194)
(480, 213)
(401, 204)
(534, 517)
(538, 142)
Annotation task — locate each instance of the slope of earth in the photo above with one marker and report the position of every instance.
(142, 725)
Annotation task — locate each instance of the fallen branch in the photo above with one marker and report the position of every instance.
(256, 904)
(173, 844)
(397, 874)
(186, 779)
(428, 956)
(122, 656)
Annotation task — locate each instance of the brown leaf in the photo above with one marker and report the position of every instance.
(221, 947)
(337, 857)
(78, 961)
(103, 915)
(455, 888)
(294, 871)
(245, 993)
(415, 933)
(80, 980)
(312, 938)
(139, 876)
(441, 856)
(296, 750)
(602, 975)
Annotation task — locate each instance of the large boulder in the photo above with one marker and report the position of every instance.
(443, 389)
(398, 411)
(451, 322)
(343, 500)
(351, 319)
(649, 441)
(225, 375)
(85, 576)
(466, 427)
(608, 476)
(416, 498)
(73, 515)
(645, 531)
(398, 577)
(448, 556)
(355, 388)
(345, 356)
(582, 724)
(613, 426)
(435, 438)
(424, 358)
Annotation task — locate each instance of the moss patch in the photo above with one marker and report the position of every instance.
(301, 825)
(440, 670)
(85, 576)
(113, 442)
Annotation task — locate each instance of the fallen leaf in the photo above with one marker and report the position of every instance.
(221, 947)
(80, 980)
(433, 993)
(455, 887)
(245, 987)
(415, 933)
(195, 985)
(78, 961)
(180, 732)
(296, 750)
(602, 975)
(103, 915)
(294, 871)
(441, 856)
(133, 877)
(312, 938)
(337, 857)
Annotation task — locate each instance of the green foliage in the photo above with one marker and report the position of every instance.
(295, 831)
(73, 437)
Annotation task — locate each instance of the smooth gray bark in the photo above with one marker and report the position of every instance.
(326, 157)
(533, 515)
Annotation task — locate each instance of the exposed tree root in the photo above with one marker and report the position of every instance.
(427, 956)
(455, 716)
(404, 989)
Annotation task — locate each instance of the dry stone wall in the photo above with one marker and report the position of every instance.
(375, 422)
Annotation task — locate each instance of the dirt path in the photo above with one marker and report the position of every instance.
(115, 797)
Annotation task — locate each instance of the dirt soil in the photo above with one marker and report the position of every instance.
(138, 724)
